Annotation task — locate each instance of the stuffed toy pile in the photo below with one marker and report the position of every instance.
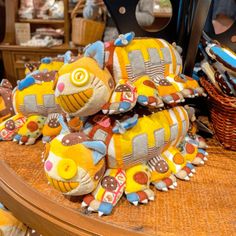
(34, 104)
(121, 127)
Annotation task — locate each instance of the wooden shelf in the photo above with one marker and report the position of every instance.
(42, 21)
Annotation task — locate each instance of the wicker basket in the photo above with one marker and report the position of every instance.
(85, 31)
(223, 115)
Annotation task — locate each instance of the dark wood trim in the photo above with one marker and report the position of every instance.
(62, 48)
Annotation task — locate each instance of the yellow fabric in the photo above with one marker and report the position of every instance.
(142, 89)
(25, 130)
(48, 131)
(53, 65)
(123, 144)
(9, 225)
(36, 89)
(131, 185)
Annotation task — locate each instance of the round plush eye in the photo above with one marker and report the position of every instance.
(79, 77)
(67, 168)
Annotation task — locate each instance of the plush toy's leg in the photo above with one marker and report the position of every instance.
(147, 92)
(186, 85)
(122, 99)
(137, 185)
(178, 163)
(51, 128)
(168, 92)
(201, 141)
(161, 176)
(31, 130)
(9, 127)
(190, 150)
(107, 194)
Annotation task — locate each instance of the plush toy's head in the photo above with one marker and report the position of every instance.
(84, 86)
(74, 164)
(6, 108)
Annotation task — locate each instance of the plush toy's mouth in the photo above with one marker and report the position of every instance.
(64, 187)
(74, 102)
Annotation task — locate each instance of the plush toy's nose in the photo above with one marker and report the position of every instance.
(61, 87)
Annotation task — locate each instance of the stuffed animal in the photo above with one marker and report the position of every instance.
(35, 105)
(9, 225)
(110, 157)
(147, 71)
(6, 108)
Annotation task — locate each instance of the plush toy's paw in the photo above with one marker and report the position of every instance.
(30, 131)
(168, 91)
(201, 142)
(107, 194)
(166, 183)
(117, 107)
(23, 139)
(122, 100)
(173, 98)
(191, 151)
(147, 92)
(186, 85)
(152, 101)
(201, 157)
(185, 173)
(140, 197)
(93, 205)
(51, 128)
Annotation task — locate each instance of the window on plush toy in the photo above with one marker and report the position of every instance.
(153, 15)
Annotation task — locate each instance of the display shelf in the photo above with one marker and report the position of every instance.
(42, 21)
(15, 57)
(14, 68)
(194, 208)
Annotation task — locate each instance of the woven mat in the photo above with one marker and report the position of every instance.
(206, 205)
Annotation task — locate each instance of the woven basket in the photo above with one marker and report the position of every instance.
(85, 31)
(223, 115)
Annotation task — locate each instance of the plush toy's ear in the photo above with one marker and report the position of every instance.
(67, 56)
(46, 60)
(124, 39)
(97, 52)
(64, 128)
(99, 149)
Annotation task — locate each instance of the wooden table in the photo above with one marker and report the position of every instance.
(205, 205)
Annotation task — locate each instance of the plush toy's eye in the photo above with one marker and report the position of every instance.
(79, 77)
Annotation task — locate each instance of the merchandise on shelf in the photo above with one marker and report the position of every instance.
(42, 41)
(41, 9)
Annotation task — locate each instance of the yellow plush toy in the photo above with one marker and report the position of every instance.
(147, 71)
(35, 104)
(112, 156)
